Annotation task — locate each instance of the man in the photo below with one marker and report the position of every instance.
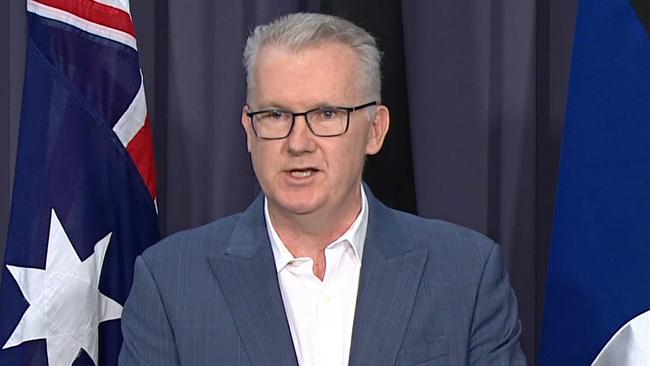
(317, 271)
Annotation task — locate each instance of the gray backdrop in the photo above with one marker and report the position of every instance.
(478, 90)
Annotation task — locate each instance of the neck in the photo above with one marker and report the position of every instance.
(309, 234)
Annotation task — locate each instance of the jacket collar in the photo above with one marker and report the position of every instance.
(390, 274)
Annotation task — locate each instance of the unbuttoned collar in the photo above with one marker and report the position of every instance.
(354, 236)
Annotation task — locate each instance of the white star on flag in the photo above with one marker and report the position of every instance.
(65, 305)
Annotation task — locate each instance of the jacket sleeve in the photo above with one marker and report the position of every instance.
(495, 327)
(148, 336)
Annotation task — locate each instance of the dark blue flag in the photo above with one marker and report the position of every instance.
(83, 204)
(598, 291)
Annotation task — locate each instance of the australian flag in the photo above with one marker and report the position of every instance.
(84, 197)
(597, 308)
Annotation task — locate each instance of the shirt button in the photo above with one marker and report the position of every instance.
(326, 299)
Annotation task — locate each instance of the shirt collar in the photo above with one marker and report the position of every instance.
(355, 235)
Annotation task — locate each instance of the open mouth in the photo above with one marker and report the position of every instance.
(302, 173)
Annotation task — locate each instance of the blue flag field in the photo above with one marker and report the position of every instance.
(597, 302)
(83, 203)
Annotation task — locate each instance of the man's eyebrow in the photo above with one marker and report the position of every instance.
(268, 105)
(324, 105)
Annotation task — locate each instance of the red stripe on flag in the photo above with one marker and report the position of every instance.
(95, 12)
(141, 151)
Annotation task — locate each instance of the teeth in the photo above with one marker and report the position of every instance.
(301, 173)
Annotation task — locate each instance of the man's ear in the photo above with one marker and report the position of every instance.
(246, 123)
(378, 130)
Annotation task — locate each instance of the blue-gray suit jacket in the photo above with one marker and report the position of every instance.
(430, 293)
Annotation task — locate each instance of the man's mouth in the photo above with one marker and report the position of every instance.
(302, 173)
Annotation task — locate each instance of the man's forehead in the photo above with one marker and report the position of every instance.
(323, 56)
(295, 69)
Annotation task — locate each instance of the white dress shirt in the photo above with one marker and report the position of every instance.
(321, 313)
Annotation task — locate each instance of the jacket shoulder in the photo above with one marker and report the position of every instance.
(442, 235)
(200, 241)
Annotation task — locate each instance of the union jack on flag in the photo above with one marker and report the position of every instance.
(84, 197)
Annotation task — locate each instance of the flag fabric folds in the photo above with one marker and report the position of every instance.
(598, 290)
(84, 197)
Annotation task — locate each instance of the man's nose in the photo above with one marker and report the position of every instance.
(300, 139)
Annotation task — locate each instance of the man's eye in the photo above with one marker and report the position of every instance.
(273, 114)
(328, 113)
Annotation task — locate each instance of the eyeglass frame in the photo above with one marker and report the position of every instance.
(349, 110)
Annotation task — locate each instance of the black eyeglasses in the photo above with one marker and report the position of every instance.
(274, 124)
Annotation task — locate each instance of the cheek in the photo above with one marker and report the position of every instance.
(264, 157)
(257, 158)
(350, 158)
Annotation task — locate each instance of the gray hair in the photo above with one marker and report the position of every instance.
(300, 31)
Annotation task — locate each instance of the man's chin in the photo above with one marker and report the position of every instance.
(296, 206)
(300, 210)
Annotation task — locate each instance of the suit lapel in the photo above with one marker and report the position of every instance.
(390, 275)
(388, 283)
(247, 276)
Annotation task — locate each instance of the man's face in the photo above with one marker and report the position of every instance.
(303, 173)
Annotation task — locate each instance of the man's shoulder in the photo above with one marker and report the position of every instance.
(442, 236)
(199, 241)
